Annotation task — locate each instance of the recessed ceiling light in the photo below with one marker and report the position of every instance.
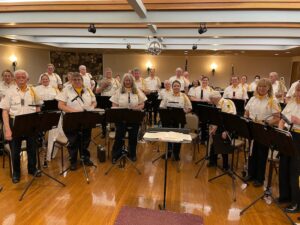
(215, 44)
(216, 36)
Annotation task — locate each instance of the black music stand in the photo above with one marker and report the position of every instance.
(279, 140)
(30, 125)
(239, 105)
(237, 126)
(163, 129)
(103, 102)
(77, 122)
(171, 118)
(50, 105)
(208, 115)
(129, 116)
(250, 94)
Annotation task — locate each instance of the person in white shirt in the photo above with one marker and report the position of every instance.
(139, 81)
(289, 166)
(55, 80)
(234, 90)
(202, 92)
(153, 85)
(69, 78)
(292, 89)
(186, 76)
(243, 83)
(195, 84)
(279, 89)
(128, 96)
(183, 82)
(18, 101)
(77, 98)
(176, 100)
(45, 91)
(262, 107)
(87, 78)
(252, 86)
(7, 82)
(166, 90)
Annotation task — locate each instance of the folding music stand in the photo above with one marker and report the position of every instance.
(279, 140)
(30, 125)
(239, 105)
(129, 116)
(77, 122)
(163, 129)
(50, 105)
(250, 94)
(237, 126)
(103, 102)
(209, 115)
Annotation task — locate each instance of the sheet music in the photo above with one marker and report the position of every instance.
(168, 136)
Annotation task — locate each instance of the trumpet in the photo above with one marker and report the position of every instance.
(105, 84)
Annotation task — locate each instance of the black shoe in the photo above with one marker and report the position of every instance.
(35, 172)
(16, 179)
(176, 157)
(292, 208)
(45, 165)
(113, 160)
(257, 183)
(88, 162)
(73, 166)
(225, 168)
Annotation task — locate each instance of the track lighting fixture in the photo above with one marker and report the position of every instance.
(202, 29)
(92, 28)
(128, 46)
(194, 47)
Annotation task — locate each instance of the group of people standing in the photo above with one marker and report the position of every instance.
(136, 93)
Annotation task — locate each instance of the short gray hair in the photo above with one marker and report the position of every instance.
(21, 71)
(214, 94)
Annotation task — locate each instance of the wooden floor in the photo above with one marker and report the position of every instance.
(100, 201)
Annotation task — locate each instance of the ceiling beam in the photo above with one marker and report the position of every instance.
(153, 28)
(138, 7)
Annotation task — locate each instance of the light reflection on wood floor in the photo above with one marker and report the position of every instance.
(100, 201)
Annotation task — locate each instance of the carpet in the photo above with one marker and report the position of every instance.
(140, 216)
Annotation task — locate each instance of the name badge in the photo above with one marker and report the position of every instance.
(22, 102)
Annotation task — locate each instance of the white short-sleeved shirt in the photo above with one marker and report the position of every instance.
(111, 90)
(4, 86)
(292, 109)
(292, 89)
(128, 99)
(67, 84)
(17, 102)
(69, 96)
(227, 106)
(276, 87)
(176, 101)
(164, 92)
(87, 81)
(182, 80)
(205, 93)
(262, 108)
(192, 91)
(140, 84)
(244, 86)
(46, 92)
(54, 78)
(252, 86)
(152, 84)
(235, 92)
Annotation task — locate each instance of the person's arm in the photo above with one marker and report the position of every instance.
(115, 105)
(63, 106)
(139, 106)
(275, 119)
(246, 114)
(295, 120)
(281, 124)
(8, 132)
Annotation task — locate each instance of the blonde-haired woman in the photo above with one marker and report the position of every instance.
(128, 96)
(262, 107)
(289, 166)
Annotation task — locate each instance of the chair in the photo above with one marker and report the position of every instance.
(60, 142)
(192, 123)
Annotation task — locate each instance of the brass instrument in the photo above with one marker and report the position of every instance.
(106, 83)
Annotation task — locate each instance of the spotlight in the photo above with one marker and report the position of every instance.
(92, 28)
(128, 46)
(202, 29)
(194, 47)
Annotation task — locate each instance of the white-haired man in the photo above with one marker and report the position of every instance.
(55, 80)
(87, 78)
(183, 82)
(18, 101)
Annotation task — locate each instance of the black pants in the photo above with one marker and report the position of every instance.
(258, 161)
(289, 172)
(213, 157)
(79, 142)
(31, 147)
(121, 129)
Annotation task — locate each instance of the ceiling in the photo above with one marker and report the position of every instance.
(269, 27)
